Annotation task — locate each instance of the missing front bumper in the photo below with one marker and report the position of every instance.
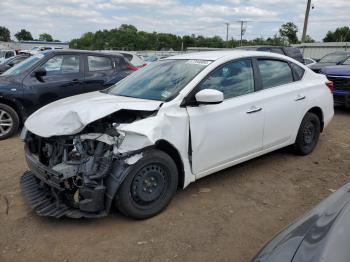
(45, 202)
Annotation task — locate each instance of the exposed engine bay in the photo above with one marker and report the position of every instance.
(78, 169)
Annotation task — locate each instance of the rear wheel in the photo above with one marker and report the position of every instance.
(149, 186)
(308, 134)
(9, 121)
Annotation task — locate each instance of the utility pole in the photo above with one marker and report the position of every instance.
(306, 21)
(227, 25)
(241, 33)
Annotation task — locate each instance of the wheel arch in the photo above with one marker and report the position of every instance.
(318, 111)
(168, 148)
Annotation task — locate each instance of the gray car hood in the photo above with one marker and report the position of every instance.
(71, 115)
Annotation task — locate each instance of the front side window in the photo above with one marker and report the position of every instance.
(62, 64)
(99, 63)
(274, 73)
(232, 79)
(161, 80)
(9, 54)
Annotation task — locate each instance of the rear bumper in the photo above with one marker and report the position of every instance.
(342, 98)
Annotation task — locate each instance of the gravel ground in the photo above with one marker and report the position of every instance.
(227, 216)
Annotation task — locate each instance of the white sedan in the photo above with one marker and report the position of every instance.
(167, 125)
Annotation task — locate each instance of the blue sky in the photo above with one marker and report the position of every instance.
(67, 19)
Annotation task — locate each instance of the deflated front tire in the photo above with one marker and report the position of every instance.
(149, 187)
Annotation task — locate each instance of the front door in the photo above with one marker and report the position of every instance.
(64, 77)
(224, 133)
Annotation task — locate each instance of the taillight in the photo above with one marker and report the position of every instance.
(131, 67)
(330, 85)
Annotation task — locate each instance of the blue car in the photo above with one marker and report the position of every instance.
(340, 75)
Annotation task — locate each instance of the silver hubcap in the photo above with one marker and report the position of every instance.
(6, 122)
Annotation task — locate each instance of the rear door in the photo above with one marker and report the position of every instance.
(64, 77)
(99, 72)
(284, 101)
(229, 131)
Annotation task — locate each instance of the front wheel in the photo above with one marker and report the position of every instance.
(308, 134)
(149, 186)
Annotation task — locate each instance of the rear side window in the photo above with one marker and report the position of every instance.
(277, 50)
(99, 63)
(294, 53)
(274, 73)
(298, 71)
(232, 79)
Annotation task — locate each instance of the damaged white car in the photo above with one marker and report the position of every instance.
(168, 124)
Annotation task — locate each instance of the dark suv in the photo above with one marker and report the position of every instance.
(292, 52)
(52, 75)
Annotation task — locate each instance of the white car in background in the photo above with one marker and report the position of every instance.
(5, 54)
(132, 57)
(38, 49)
(167, 125)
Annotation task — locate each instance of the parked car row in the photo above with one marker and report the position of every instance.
(132, 143)
(49, 76)
(336, 66)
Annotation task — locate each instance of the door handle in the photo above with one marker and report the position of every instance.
(299, 97)
(254, 109)
(76, 81)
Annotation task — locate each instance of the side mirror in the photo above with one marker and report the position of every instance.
(11, 64)
(39, 73)
(209, 96)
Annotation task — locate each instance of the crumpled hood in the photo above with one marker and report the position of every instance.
(70, 115)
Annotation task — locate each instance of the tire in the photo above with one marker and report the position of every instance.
(149, 187)
(308, 134)
(9, 121)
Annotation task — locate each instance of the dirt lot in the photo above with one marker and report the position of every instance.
(224, 217)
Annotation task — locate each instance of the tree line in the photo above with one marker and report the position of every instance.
(127, 37)
(24, 35)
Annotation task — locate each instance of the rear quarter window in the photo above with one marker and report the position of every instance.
(298, 71)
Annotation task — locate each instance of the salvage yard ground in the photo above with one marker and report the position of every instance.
(227, 216)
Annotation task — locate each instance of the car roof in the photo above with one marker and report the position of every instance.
(215, 55)
(83, 52)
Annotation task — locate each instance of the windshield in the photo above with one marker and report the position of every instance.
(333, 58)
(160, 81)
(152, 58)
(24, 65)
(35, 48)
(347, 61)
(2, 54)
